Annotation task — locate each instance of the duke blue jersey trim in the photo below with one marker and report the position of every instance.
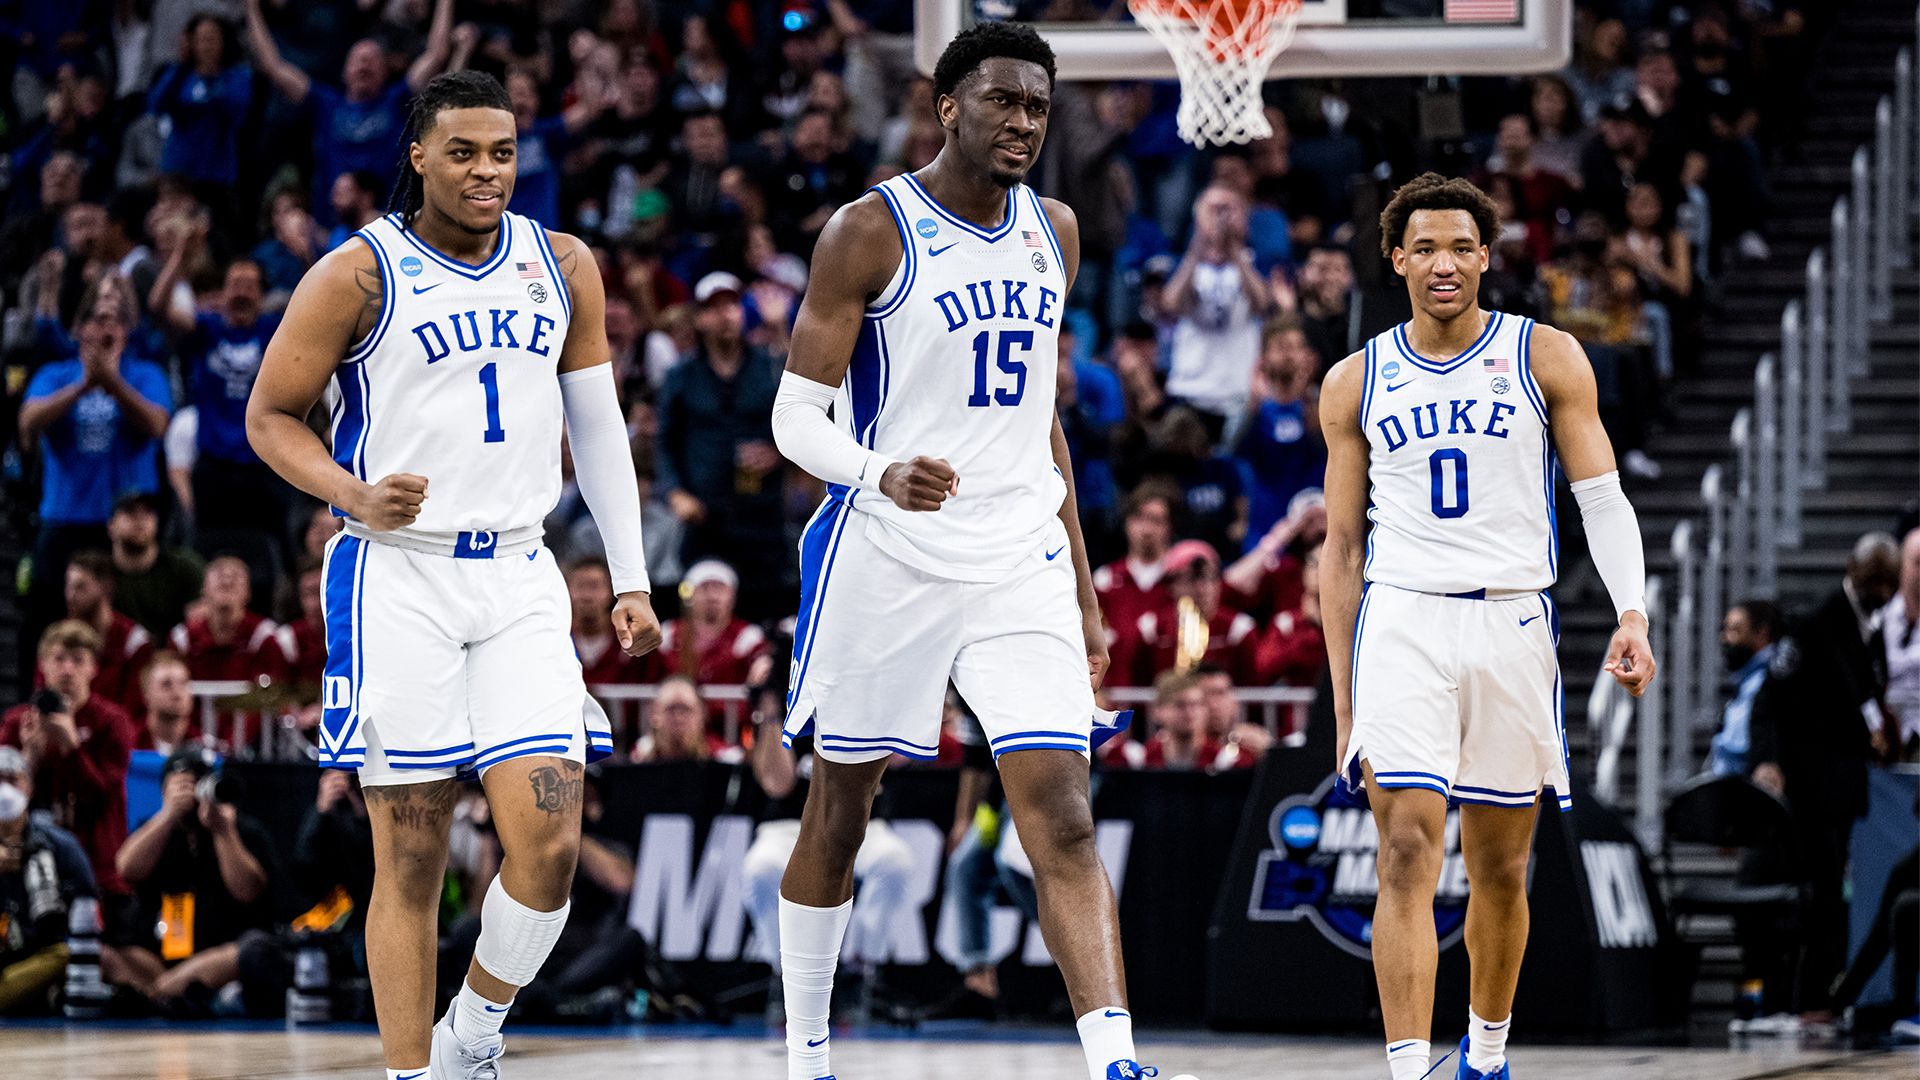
(1006, 224)
(553, 267)
(1436, 367)
(386, 299)
(1046, 226)
(471, 273)
(911, 259)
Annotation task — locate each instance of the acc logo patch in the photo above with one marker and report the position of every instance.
(1321, 868)
(927, 228)
(410, 266)
(1039, 262)
(538, 292)
(1390, 369)
(1501, 385)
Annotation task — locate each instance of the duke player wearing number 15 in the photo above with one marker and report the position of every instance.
(451, 340)
(1441, 444)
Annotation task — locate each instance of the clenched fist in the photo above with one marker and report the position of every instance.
(921, 484)
(635, 624)
(392, 503)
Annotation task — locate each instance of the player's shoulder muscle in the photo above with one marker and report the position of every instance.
(860, 250)
(338, 302)
(570, 254)
(1340, 394)
(1560, 366)
(1066, 232)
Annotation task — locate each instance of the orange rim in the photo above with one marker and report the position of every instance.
(1230, 29)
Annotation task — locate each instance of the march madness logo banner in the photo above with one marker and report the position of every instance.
(1320, 867)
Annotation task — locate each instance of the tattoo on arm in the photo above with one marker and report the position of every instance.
(373, 293)
(415, 806)
(557, 791)
(568, 263)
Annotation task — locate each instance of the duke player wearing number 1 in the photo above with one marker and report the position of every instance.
(451, 340)
(1441, 443)
(948, 546)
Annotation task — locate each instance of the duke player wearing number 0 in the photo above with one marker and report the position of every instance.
(451, 341)
(948, 546)
(1441, 444)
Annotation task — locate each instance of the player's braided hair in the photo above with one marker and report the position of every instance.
(1431, 191)
(454, 90)
(974, 46)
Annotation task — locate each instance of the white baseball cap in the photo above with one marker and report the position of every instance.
(715, 283)
(710, 570)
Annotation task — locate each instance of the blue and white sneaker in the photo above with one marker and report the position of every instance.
(1130, 1070)
(1463, 1071)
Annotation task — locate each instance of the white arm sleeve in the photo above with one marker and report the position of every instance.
(810, 440)
(603, 467)
(1613, 539)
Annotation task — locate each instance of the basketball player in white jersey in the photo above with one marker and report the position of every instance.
(1441, 441)
(451, 338)
(948, 546)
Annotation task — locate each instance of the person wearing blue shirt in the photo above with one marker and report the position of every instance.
(1281, 441)
(232, 488)
(206, 96)
(1746, 639)
(359, 125)
(1091, 406)
(543, 142)
(97, 418)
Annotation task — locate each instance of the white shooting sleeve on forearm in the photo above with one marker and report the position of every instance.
(603, 467)
(1613, 539)
(810, 440)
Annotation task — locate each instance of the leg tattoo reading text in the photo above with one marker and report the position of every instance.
(416, 806)
(555, 791)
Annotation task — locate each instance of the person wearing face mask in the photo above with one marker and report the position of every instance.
(1746, 640)
(43, 870)
(1812, 725)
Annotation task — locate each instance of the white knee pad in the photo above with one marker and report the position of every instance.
(515, 939)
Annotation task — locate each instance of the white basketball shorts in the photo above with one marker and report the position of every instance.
(1459, 696)
(877, 640)
(440, 667)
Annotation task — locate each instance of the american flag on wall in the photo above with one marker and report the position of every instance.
(1032, 238)
(529, 270)
(1482, 10)
(1495, 365)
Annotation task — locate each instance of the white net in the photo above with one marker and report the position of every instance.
(1222, 49)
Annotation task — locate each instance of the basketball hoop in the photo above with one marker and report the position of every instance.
(1222, 49)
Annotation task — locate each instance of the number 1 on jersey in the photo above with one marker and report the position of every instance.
(490, 382)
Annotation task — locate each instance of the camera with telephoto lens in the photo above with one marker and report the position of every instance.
(210, 784)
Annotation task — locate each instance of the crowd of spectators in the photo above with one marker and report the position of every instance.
(174, 168)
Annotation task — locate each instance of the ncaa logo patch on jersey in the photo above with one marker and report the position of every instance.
(927, 228)
(410, 266)
(1390, 369)
(1321, 868)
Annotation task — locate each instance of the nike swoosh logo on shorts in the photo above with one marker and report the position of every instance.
(418, 289)
(1054, 552)
(933, 251)
(817, 1042)
(1524, 622)
(502, 1008)
(1391, 387)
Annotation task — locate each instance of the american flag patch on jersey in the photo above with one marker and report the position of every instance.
(529, 270)
(1495, 365)
(1032, 238)
(1482, 10)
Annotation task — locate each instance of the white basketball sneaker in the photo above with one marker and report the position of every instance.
(451, 1060)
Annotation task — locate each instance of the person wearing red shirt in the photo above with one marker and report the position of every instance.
(709, 642)
(1293, 648)
(304, 640)
(224, 640)
(1266, 580)
(169, 719)
(1131, 587)
(602, 660)
(1242, 741)
(125, 645)
(1179, 741)
(76, 745)
(1193, 573)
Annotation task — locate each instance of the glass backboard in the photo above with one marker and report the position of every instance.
(1336, 38)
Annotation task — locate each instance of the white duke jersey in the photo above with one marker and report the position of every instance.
(956, 360)
(459, 381)
(1461, 466)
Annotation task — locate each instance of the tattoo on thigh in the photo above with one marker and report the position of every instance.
(557, 791)
(415, 806)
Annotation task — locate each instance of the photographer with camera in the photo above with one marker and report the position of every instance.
(76, 746)
(201, 871)
(42, 871)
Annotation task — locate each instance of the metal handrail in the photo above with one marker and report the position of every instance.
(1680, 641)
(1742, 553)
(1806, 444)
(1839, 328)
(1881, 302)
(1706, 663)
